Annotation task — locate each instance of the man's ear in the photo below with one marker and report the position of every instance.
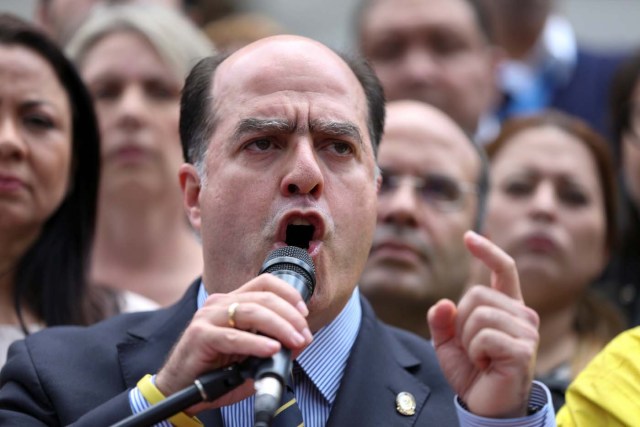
(191, 185)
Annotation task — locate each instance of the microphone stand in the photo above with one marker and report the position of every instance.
(205, 388)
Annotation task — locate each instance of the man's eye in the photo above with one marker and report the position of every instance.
(342, 148)
(388, 51)
(441, 189)
(260, 145)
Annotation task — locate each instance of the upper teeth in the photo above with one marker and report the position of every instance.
(300, 221)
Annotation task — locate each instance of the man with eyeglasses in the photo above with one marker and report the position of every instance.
(432, 191)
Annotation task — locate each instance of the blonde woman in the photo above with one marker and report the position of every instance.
(134, 59)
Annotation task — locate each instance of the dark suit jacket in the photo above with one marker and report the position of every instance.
(587, 93)
(81, 376)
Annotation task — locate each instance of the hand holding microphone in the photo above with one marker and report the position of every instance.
(294, 266)
(264, 305)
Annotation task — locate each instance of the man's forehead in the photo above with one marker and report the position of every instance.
(278, 52)
(426, 10)
(426, 130)
(281, 69)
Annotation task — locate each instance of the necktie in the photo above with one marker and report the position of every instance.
(288, 414)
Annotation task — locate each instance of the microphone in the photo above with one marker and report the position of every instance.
(294, 266)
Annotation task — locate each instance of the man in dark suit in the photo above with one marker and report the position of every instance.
(280, 140)
(545, 65)
(434, 185)
(436, 51)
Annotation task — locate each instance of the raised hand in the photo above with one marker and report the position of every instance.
(487, 344)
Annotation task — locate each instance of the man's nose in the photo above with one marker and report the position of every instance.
(420, 65)
(399, 205)
(304, 175)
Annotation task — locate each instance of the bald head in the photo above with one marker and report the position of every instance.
(427, 200)
(274, 55)
(414, 120)
(308, 65)
(297, 62)
(415, 125)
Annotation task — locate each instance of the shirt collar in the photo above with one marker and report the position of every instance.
(559, 47)
(555, 56)
(325, 359)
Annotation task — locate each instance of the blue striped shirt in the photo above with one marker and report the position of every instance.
(322, 362)
(319, 370)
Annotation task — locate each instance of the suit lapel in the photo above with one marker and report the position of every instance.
(380, 367)
(148, 344)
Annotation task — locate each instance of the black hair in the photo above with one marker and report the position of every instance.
(623, 84)
(595, 143)
(51, 277)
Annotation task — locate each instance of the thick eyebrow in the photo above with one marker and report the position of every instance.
(254, 125)
(337, 129)
(281, 126)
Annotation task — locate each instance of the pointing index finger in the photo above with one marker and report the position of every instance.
(504, 275)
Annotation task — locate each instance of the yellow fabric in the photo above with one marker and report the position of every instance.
(607, 392)
(153, 396)
(285, 406)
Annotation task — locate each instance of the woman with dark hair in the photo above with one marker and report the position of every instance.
(607, 392)
(623, 275)
(552, 207)
(49, 168)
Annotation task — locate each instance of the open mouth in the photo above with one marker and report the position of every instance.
(299, 235)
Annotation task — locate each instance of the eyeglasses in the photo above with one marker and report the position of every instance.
(443, 193)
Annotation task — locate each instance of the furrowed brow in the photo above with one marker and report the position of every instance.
(254, 125)
(337, 129)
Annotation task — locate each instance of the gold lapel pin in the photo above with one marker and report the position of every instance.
(406, 403)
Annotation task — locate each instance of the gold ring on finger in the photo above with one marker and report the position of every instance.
(231, 314)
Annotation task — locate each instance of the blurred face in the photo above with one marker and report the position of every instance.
(35, 141)
(290, 162)
(432, 51)
(424, 208)
(61, 18)
(522, 12)
(631, 150)
(546, 210)
(137, 102)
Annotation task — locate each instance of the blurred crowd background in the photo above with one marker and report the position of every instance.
(598, 23)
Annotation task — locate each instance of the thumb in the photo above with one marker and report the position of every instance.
(442, 322)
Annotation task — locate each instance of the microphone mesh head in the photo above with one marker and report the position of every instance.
(304, 265)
